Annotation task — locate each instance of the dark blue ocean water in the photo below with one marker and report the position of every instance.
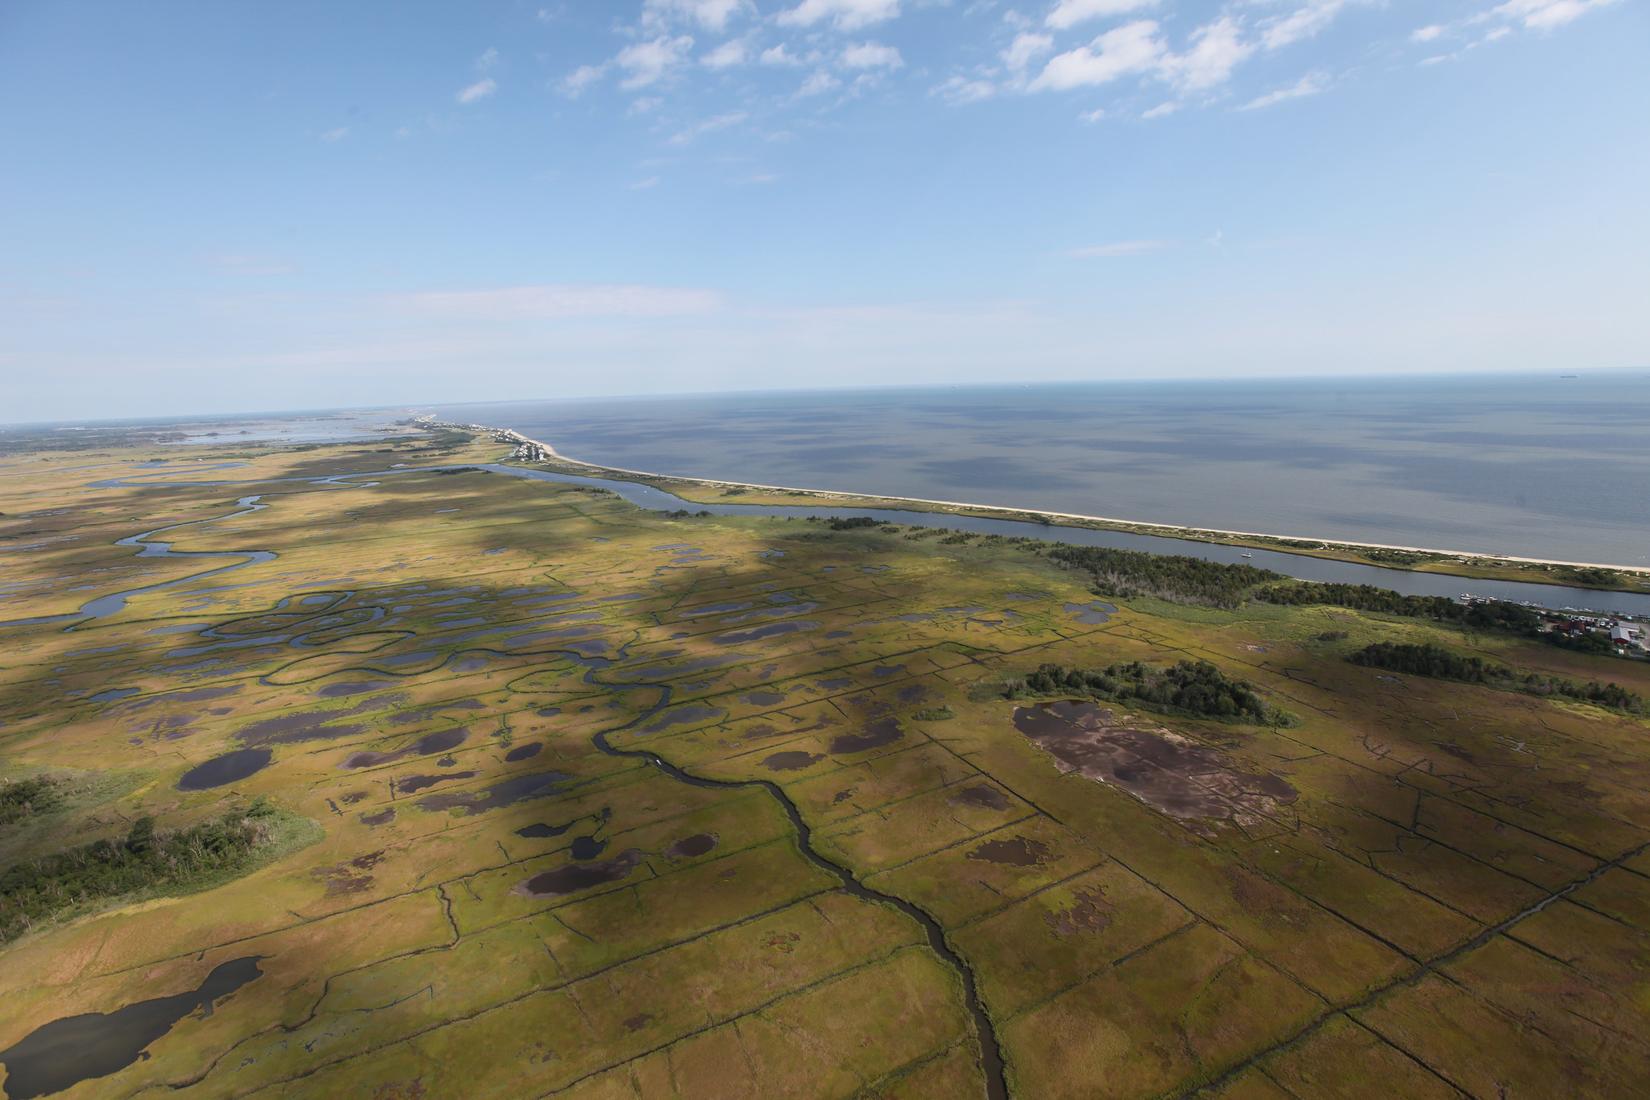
(1518, 465)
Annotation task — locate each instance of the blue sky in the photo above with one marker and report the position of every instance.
(239, 206)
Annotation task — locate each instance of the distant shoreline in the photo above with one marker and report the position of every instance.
(1196, 534)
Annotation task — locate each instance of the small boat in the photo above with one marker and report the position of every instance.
(1247, 554)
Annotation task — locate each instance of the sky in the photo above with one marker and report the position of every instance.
(243, 206)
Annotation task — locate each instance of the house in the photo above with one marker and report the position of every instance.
(1628, 635)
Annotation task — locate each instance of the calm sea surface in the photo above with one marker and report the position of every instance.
(1528, 466)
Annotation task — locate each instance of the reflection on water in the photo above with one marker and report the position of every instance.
(1523, 466)
(78, 1048)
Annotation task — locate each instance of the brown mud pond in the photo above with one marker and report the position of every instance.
(883, 731)
(412, 784)
(690, 847)
(1164, 769)
(587, 847)
(79, 1048)
(228, 768)
(790, 761)
(540, 831)
(581, 876)
(516, 789)
(1016, 851)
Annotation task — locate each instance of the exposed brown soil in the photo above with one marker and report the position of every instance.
(1164, 769)
(1017, 851)
(1090, 912)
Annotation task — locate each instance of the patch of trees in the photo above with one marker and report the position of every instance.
(23, 798)
(1196, 688)
(1170, 577)
(852, 523)
(1366, 597)
(1439, 663)
(146, 860)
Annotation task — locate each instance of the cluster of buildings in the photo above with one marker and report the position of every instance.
(1628, 638)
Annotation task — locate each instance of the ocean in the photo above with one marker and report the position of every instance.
(1529, 466)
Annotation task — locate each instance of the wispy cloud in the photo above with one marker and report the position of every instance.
(845, 15)
(962, 89)
(648, 62)
(478, 91)
(1308, 85)
(735, 51)
(707, 126)
(712, 15)
(337, 133)
(1069, 13)
(1304, 22)
(563, 300)
(1117, 248)
(1545, 15)
(1132, 48)
(871, 55)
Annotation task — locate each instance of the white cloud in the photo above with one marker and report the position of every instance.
(647, 184)
(575, 82)
(707, 126)
(735, 51)
(1544, 15)
(1132, 48)
(488, 58)
(563, 300)
(480, 90)
(1430, 33)
(871, 55)
(1308, 85)
(1117, 248)
(961, 89)
(1303, 22)
(1217, 48)
(1162, 110)
(818, 83)
(648, 62)
(1091, 117)
(337, 133)
(781, 57)
(1069, 13)
(712, 15)
(1025, 49)
(845, 15)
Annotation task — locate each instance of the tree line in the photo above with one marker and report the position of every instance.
(1439, 663)
(1194, 688)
